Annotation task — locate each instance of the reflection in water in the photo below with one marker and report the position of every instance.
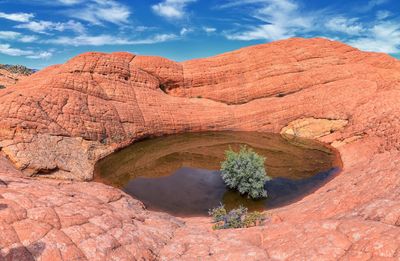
(179, 174)
(194, 191)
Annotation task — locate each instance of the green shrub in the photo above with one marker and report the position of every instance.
(218, 213)
(245, 171)
(254, 218)
(2, 87)
(236, 218)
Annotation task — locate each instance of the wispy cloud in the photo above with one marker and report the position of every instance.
(40, 55)
(11, 51)
(9, 35)
(280, 19)
(172, 9)
(371, 4)
(341, 24)
(16, 36)
(184, 31)
(70, 2)
(383, 14)
(46, 26)
(8, 50)
(382, 37)
(17, 17)
(99, 11)
(28, 38)
(57, 2)
(100, 40)
(209, 30)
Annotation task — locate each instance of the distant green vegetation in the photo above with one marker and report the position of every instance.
(236, 218)
(245, 171)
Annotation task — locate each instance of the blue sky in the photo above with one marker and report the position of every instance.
(38, 33)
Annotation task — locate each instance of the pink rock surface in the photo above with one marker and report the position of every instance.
(66, 117)
(8, 78)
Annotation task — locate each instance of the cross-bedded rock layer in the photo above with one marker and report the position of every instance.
(9, 78)
(59, 121)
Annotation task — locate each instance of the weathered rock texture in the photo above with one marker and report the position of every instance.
(66, 117)
(10, 74)
(313, 128)
(8, 78)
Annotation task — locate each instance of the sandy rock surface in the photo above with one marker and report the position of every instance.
(66, 117)
(8, 78)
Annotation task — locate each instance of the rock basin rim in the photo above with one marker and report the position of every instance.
(59, 121)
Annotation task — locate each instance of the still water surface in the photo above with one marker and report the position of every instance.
(179, 174)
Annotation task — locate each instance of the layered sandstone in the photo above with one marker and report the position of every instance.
(64, 118)
(7, 78)
(10, 74)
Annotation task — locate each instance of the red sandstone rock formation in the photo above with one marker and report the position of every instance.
(8, 78)
(61, 120)
(65, 117)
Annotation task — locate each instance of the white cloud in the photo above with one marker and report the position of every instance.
(341, 24)
(371, 5)
(267, 31)
(383, 14)
(100, 40)
(45, 26)
(70, 2)
(142, 28)
(99, 11)
(28, 38)
(172, 9)
(383, 37)
(40, 55)
(11, 35)
(17, 17)
(209, 29)
(8, 50)
(39, 27)
(59, 2)
(281, 19)
(185, 31)
(236, 3)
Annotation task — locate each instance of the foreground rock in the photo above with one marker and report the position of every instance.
(351, 218)
(56, 220)
(66, 117)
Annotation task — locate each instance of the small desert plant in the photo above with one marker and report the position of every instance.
(254, 218)
(218, 213)
(245, 171)
(236, 218)
(2, 87)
